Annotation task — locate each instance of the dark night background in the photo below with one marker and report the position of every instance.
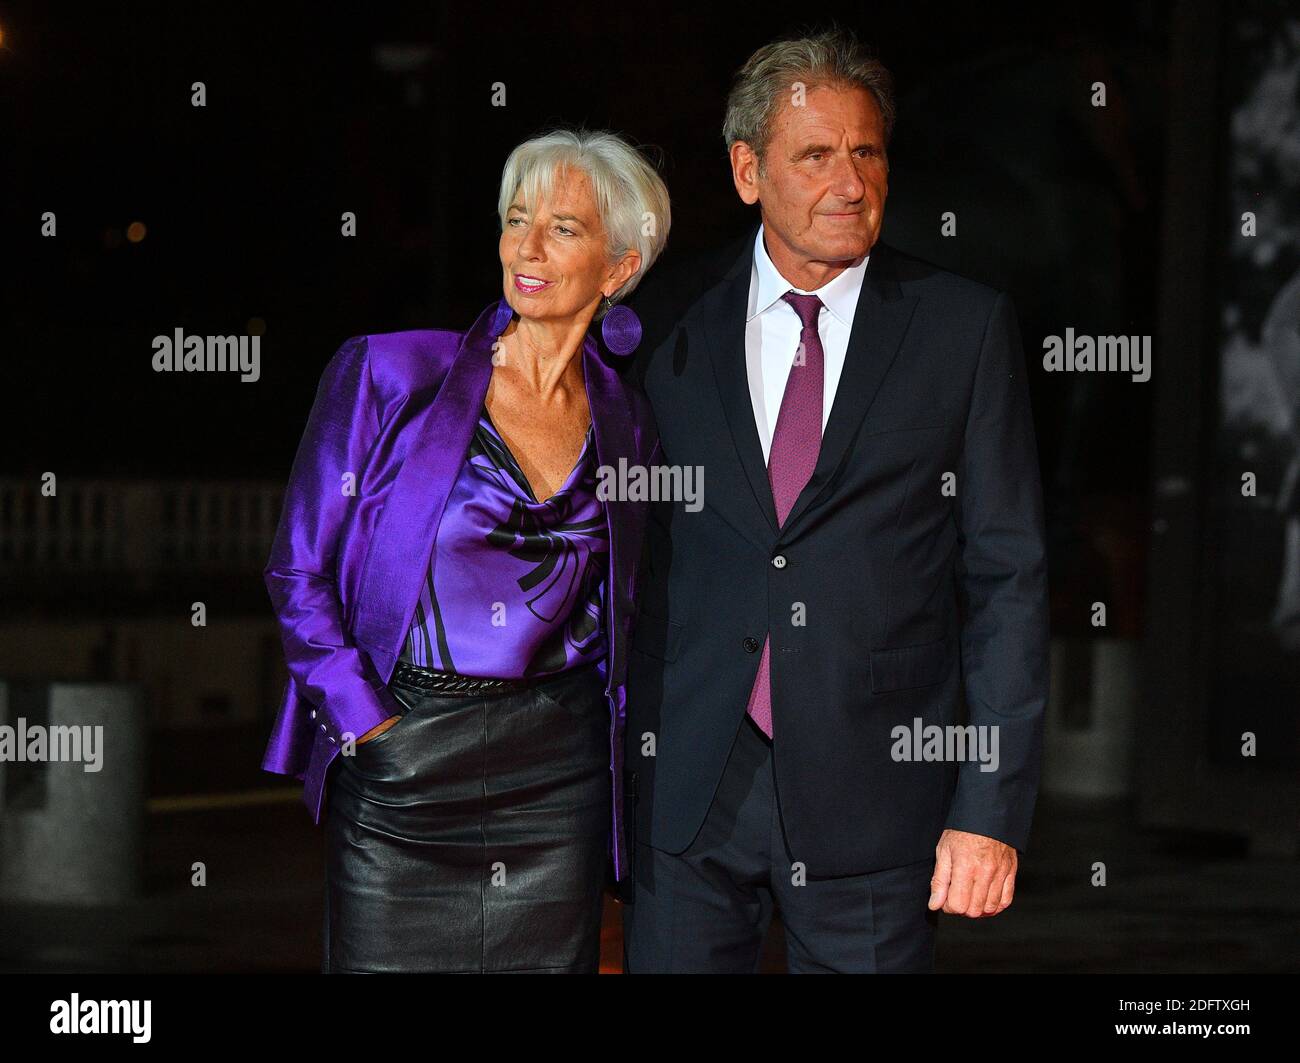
(1114, 220)
(242, 198)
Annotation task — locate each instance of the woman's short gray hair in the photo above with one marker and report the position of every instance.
(833, 57)
(630, 195)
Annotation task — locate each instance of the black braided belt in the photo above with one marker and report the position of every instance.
(451, 685)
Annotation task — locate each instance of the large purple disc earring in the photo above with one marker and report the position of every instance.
(620, 328)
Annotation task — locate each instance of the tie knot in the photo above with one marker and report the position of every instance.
(806, 306)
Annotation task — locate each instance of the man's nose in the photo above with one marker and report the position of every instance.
(846, 182)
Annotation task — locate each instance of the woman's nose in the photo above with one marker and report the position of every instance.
(531, 244)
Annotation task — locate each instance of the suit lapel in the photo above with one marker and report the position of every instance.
(403, 537)
(611, 419)
(722, 316)
(879, 324)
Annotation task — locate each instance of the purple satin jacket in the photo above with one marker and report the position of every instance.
(385, 441)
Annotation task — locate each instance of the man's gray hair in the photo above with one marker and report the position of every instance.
(832, 57)
(630, 195)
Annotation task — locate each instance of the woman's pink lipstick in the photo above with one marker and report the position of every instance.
(530, 285)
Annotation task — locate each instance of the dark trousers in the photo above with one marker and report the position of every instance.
(707, 909)
(472, 835)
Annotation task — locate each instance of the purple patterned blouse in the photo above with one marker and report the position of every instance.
(515, 587)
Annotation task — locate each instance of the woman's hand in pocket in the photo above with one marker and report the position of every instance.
(378, 729)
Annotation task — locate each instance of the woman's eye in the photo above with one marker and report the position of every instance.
(563, 230)
(511, 221)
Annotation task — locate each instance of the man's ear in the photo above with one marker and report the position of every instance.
(744, 171)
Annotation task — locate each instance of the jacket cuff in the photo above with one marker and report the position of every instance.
(353, 714)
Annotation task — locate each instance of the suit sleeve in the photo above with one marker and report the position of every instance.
(301, 573)
(1002, 587)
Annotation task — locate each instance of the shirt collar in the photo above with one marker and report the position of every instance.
(839, 296)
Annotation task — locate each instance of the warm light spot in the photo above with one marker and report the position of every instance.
(135, 232)
(256, 326)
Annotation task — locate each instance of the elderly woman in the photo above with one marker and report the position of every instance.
(453, 585)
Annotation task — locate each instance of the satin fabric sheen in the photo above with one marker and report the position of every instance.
(514, 588)
(385, 440)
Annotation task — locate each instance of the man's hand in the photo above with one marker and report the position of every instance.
(974, 876)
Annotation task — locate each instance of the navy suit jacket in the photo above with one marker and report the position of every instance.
(915, 558)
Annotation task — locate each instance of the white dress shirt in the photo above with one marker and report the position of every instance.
(772, 331)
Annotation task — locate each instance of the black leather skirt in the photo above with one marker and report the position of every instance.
(472, 835)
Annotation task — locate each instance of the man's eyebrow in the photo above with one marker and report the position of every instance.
(826, 149)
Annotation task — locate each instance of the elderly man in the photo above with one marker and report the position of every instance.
(869, 555)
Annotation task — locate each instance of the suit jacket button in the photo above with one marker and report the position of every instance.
(751, 644)
(778, 561)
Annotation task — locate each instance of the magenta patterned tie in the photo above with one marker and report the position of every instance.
(796, 442)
